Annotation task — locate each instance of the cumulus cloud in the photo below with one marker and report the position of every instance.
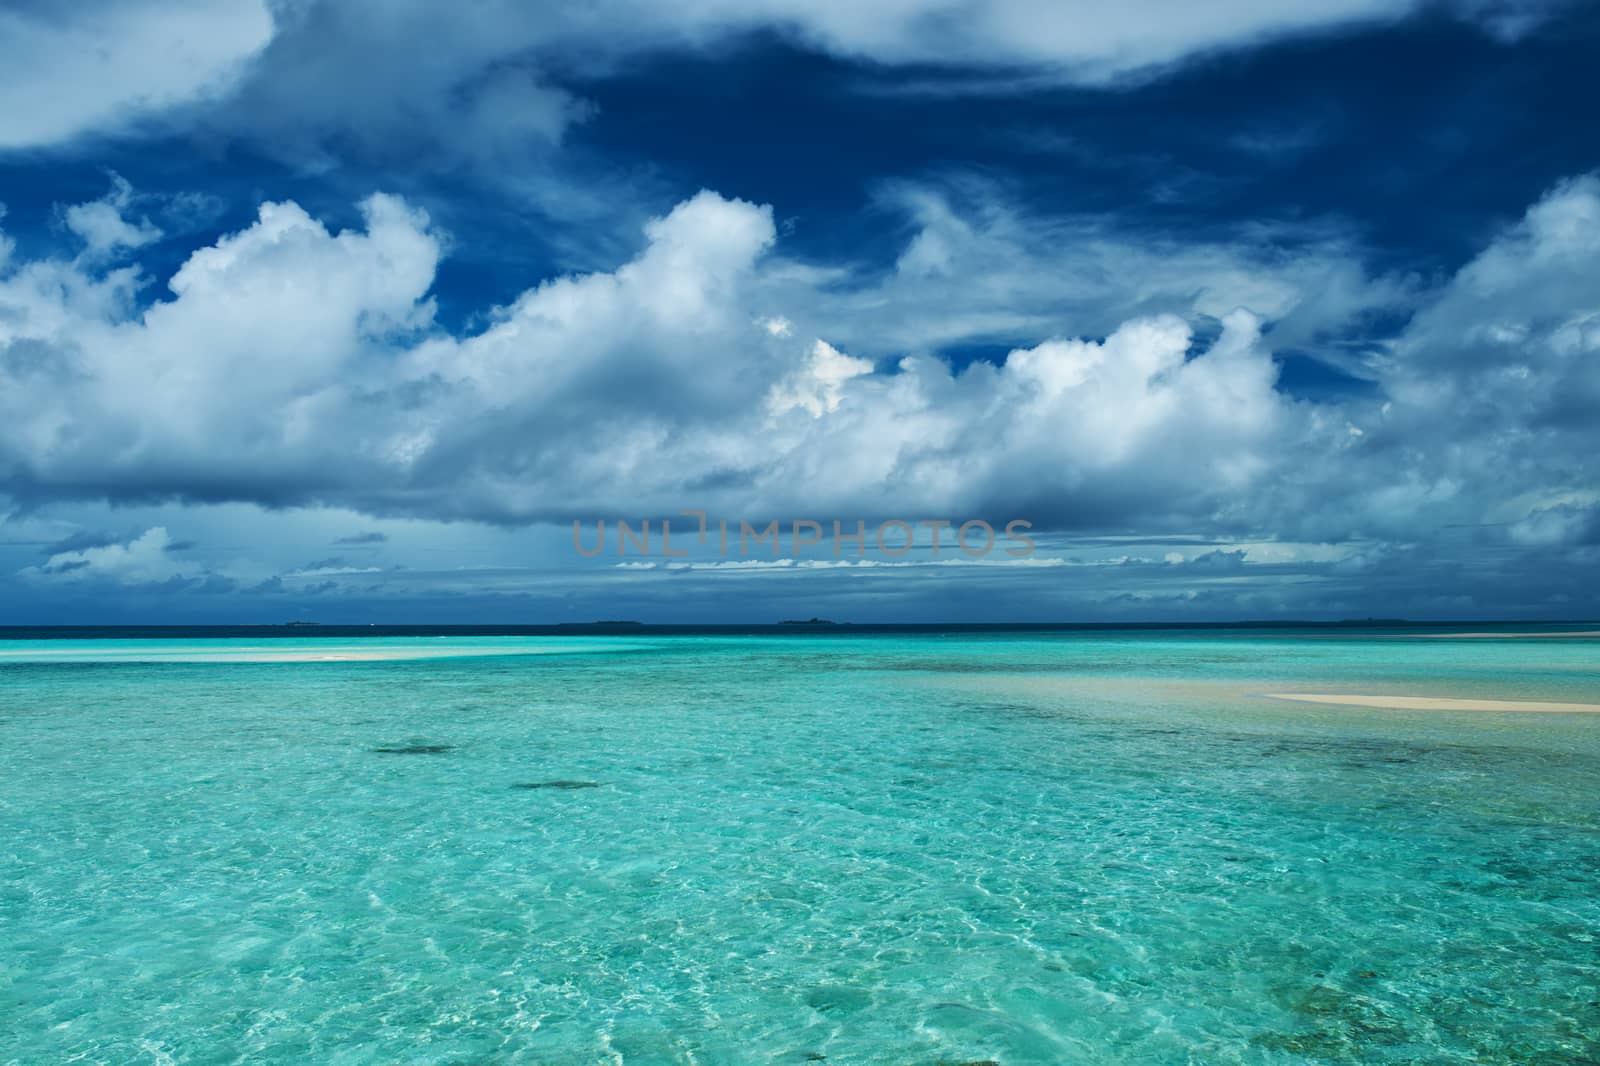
(1487, 414)
(296, 365)
(1074, 433)
(1514, 337)
(144, 560)
(232, 383)
(290, 364)
(818, 386)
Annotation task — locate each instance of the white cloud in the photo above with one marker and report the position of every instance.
(1069, 432)
(1516, 332)
(333, 571)
(1088, 41)
(101, 226)
(818, 386)
(1490, 393)
(240, 380)
(296, 365)
(67, 69)
(141, 561)
(977, 268)
(293, 364)
(315, 78)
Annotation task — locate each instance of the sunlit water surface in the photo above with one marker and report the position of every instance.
(1057, 848)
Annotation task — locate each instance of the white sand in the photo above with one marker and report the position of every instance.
(328, 653)
(1435, 703)
(1591, 633)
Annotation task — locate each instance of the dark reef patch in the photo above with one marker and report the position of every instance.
(417, 749)
(559, 784)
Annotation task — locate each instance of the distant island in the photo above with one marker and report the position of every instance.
(807, 622)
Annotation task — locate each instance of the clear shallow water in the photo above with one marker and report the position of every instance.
(1031, 849)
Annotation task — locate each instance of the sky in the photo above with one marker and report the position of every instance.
(373, 312)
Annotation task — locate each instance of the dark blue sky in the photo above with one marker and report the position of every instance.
(1419, 140)
(1309, 294)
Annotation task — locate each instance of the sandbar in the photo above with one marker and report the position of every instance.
(335, 653)
(1434, 703)
(1552, 635)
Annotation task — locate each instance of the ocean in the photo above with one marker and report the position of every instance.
(816, 845)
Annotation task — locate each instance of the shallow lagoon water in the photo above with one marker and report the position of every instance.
(1039, 848)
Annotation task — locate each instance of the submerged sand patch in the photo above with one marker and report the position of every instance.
(1434, 703)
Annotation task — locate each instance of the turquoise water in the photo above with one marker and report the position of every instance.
(1041, 848)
